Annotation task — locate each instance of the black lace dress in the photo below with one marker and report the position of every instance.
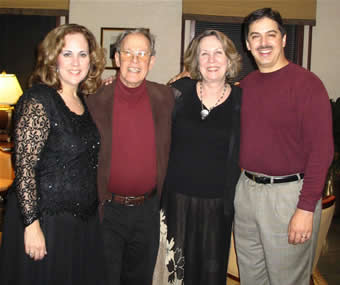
(56, 171)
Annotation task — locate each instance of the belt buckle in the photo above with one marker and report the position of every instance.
(127, 201)
(261, 179)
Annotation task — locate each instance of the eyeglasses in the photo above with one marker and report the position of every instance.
(140, 54)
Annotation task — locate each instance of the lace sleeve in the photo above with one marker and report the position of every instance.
(30, 134)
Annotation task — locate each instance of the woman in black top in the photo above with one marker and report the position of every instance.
(51, 231)
(203, 169)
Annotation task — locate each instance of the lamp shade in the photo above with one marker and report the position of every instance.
(10, 89)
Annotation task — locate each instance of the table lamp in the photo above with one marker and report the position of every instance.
(10, 91)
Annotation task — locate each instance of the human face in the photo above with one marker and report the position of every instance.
(134, 67)
(73, 61)
(212, 60)
(266, 44)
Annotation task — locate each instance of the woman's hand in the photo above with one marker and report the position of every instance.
(108, 81)
(34, 239)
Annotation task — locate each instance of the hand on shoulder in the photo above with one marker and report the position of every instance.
(109, 80)
(179, 76)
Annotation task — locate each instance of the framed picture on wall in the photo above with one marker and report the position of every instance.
(108, 37)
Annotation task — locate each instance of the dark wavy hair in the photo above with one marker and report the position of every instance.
(191, 61)
(48, 51)
(260, 14)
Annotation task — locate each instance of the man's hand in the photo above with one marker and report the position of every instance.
(179, 76)
(300, 227)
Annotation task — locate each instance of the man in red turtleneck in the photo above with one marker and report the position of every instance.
(286, 149)
(133, 116)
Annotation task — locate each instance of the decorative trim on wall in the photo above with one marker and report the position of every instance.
(232, 19)
(36, 4)
(310, 40)
(291, 10)
(34, 12)
(35, 7)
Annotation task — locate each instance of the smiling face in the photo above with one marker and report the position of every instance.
(212, 60)
(266, 44)
(134, 60)
(73, 61)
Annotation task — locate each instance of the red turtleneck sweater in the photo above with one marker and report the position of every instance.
(133, 159)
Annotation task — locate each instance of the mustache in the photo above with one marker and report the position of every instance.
(264, 47)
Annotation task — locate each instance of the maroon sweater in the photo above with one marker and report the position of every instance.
(286, 128)
(133, 156)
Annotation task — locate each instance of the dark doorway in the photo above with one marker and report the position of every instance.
(20, 36)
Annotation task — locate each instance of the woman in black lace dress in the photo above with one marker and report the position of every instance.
(51, 230)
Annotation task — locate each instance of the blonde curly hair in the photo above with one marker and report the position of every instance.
(48, 51)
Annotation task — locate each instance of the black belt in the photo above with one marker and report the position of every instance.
(133, 200)
(268, 180)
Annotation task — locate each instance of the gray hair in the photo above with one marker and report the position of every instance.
(143, 31)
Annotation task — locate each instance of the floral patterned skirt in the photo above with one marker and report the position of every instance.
(194, 242)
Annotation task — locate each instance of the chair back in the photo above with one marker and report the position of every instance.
(6, 170)
(232, 270)
(328, 207)
(6, 167)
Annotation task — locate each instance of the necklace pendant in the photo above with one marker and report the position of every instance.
(204, 114)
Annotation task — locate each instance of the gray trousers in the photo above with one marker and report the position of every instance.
(262, 216)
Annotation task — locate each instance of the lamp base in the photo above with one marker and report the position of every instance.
(6, 112)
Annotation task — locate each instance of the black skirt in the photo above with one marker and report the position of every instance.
(74, 251)
(195, 241)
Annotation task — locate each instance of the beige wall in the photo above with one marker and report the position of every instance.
(162, 17)
(326, 45)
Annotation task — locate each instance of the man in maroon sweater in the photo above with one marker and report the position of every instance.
(133, 116)
(286, 149)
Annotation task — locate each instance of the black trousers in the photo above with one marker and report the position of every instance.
(131, 240)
